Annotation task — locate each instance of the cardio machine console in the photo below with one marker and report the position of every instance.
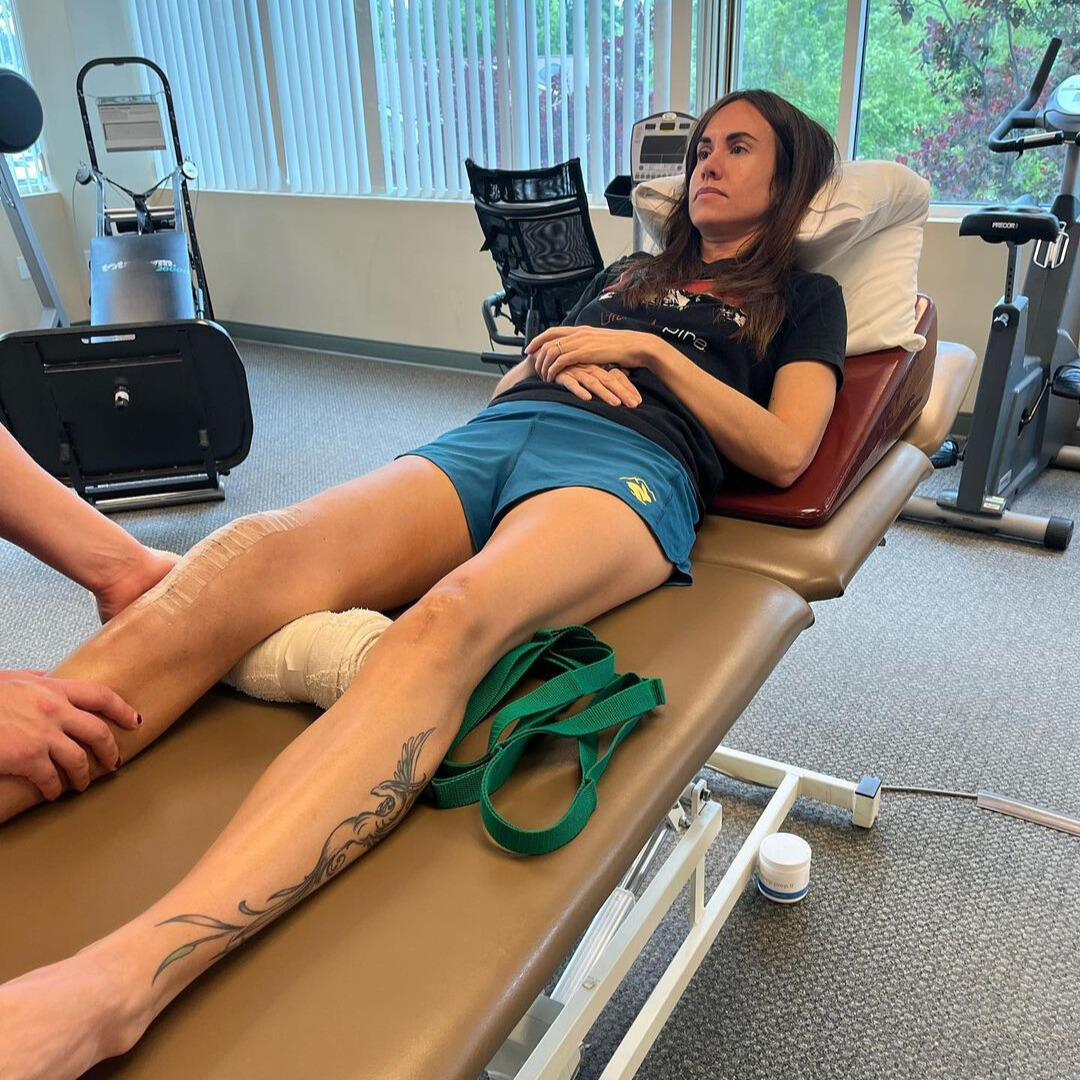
(658, 145)
(131, 122)
(1062, 111)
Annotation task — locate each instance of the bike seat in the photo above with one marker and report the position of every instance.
(1015, 224)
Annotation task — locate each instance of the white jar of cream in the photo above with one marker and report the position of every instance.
(784, 867)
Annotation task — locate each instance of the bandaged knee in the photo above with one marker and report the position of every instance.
(312, 659)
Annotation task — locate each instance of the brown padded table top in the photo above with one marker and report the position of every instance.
(417, 962)
(818, 563)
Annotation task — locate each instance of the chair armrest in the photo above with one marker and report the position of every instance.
(489, 308)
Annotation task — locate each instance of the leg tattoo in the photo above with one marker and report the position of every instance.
(362, 832)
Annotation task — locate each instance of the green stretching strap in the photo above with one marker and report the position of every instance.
(576, 664)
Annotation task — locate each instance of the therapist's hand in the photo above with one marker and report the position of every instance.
(560, 347)
(48, 726)
(587, 381)
(134, 576)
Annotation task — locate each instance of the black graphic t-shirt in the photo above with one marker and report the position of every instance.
(701, 326)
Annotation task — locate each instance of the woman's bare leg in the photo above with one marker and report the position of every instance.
(345, 782)
(376, 542)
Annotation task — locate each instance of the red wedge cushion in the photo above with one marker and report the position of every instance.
(883, 393)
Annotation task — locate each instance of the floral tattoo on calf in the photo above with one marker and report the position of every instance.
(354, 835)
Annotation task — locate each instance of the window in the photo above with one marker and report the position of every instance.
(267, 93)
(795, 49)
(353, 97)
(932, 80)
(28, 168)
(389, 97)
(938, 77)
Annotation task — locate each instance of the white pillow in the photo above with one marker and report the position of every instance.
(865, 230)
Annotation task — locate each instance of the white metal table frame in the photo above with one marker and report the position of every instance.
(547, 1043)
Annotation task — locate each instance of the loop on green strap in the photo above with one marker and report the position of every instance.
(576, 663)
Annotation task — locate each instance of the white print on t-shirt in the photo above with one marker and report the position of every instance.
(682, 298)
(686, 335)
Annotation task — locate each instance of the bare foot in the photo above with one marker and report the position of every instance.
(58, 1021)
(135, 578)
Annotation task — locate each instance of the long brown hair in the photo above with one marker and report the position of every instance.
(806, 158)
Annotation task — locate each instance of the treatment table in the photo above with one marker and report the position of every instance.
(427, 960)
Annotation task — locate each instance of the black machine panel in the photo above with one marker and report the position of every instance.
(139, 403)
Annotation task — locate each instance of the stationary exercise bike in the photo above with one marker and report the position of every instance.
(1028, 400)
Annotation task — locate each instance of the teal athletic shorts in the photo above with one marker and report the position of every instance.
(519, 448)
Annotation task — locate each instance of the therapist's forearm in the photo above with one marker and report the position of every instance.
(50, 521)
(754, 439)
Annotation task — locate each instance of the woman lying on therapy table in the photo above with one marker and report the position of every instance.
(578, 489)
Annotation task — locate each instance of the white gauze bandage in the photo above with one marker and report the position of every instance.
(312, 659)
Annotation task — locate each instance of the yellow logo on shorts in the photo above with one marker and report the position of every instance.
(639, 489)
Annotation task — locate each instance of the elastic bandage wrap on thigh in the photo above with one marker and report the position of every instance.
(312, 659)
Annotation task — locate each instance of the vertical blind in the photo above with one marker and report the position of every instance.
(267, 92)
(348, 97)
(28, 168)
(513, 84)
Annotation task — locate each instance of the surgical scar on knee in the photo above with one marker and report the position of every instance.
(210, 556)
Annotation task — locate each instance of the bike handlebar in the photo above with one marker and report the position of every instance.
(1023, 116)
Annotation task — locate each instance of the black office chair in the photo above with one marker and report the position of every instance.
(536, 226)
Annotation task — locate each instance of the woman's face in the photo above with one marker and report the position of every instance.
(731, 185)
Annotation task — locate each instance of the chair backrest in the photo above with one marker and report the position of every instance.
(536, 226)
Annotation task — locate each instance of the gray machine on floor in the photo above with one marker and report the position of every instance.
(145, 262)
(149, 405)
(1028, 400)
